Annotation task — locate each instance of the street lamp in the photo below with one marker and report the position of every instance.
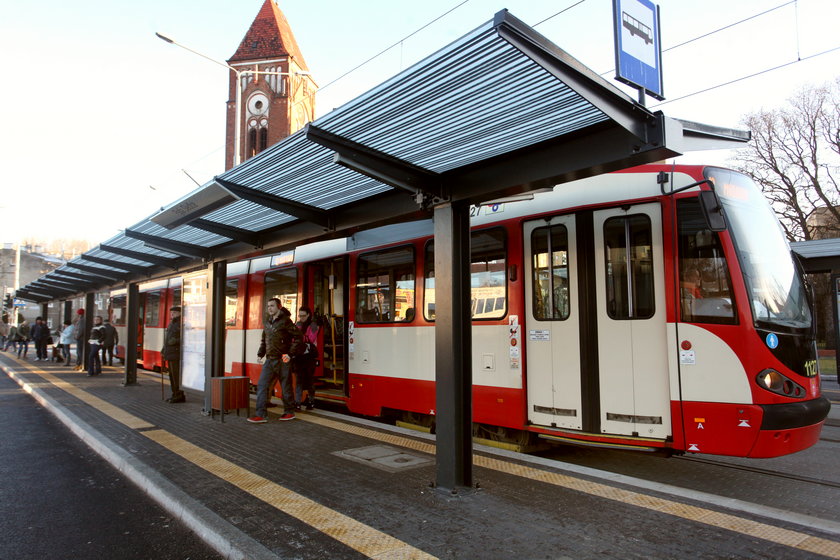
(237, 135)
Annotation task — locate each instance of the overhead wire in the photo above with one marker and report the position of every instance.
(799, 59)
(415, 32)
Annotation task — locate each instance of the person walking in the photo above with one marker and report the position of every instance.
(172, 354)
(304, 364)
(280, 341)
(112, 338)
(97, 337)
(23, 337)
(4, 331)
(11, 339)
(79, 337)
(66, 340)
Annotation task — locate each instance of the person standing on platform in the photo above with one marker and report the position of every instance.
(97, 337)
(41, 338)
(4, 331)
(23, 337)
(172, 354)
(280, 341)
(79, 338)
(111, 340)
(305, 363)
(67, 341)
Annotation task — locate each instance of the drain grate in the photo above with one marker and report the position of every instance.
(384, 457)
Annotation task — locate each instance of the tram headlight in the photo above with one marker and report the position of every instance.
(775, 382)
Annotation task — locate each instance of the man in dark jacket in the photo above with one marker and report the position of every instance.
(280, 341)
(111, 340)
(172, 354)
(40, 336)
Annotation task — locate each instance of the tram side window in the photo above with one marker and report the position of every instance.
(385, 286)
(118, 307)
(231, 301)
(283, 285)
(488, 276)
(705, 287)
(152, 317)
(629, 255)
(550, 279)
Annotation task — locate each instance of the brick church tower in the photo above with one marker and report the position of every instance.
(277, 95)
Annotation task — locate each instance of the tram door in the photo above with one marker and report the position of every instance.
(552, 334)
(327, 295)
(595, 338)
(630, 309)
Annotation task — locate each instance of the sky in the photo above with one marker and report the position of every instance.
(103, 123)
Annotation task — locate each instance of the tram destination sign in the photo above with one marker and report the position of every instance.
(638, 49)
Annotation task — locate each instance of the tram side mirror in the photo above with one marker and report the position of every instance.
(712, 211)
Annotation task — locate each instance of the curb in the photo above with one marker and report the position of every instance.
(219, 534)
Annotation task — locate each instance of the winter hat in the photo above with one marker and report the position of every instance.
(80, 312)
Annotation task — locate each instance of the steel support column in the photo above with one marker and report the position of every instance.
(132, 305)
(453, 347)
(90, 307)
(215, 329)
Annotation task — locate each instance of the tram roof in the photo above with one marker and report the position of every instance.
(499, 112)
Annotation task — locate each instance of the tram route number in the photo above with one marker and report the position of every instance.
(494, 208)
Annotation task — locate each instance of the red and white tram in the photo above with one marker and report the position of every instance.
(604, 312)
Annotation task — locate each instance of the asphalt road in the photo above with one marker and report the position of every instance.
(58, 499)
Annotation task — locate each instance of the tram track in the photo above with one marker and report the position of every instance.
(757, 470)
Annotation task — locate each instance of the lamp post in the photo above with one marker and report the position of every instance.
(237, 135)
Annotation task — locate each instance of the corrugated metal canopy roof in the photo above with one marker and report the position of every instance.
(501, 110)
(818, 255)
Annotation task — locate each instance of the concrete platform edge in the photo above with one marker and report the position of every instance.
(219, 534)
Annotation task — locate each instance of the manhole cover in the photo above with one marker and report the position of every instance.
(384, 457)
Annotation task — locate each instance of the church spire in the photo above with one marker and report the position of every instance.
(269, 36)
(276, 90)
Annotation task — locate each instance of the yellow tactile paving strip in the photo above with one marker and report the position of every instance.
(793, 539)
(356, 535)
(366, 540)
(378, 545)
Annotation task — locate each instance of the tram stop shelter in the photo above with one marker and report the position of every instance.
(502, 111)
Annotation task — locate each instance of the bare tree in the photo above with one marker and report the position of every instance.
(795, 157)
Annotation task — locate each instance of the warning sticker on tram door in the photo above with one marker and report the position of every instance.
(539, 335)
(687, 358)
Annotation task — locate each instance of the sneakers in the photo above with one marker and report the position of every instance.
(287, 416)
(310, 405)
(257, 420)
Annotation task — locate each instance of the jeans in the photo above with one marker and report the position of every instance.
(23, 347)
(66, 350)
(94, 365)
(272, 368)
(80, 350)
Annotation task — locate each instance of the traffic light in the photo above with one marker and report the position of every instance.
(7, 302)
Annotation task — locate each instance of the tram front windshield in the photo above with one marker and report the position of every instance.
(776, 291)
